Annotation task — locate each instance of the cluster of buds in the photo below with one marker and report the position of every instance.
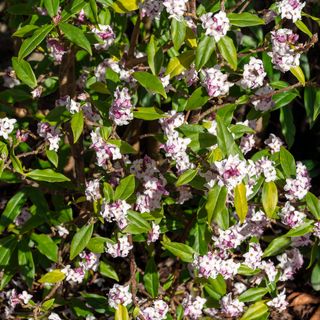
(116, 211)
(119, 294)
(290, 9)
(119, 249)
(105, 35)
(151, 9)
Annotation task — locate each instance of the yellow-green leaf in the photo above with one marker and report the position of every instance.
(240, 201)
(121, 313)
(53, 276)
(269, 198)
(298, 73)
(301, 25)
(178, 64)
(124, 6)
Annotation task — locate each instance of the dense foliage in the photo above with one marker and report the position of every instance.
(139, 174)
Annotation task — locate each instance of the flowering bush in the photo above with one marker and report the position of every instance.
(138, 175)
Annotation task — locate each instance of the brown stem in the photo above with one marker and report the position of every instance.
(134, 38)
(133, 269)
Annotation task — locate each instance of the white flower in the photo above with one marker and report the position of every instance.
(25, 297)
(253, 256)
(116, 211)
(279, 302)
(253, 74)
(216, 82)
(106, 35)
(119, 294)
(92, 191)
(62, 231)
(274, 143)
(193, 307)
(119, 249)
(290, 9)
(231, 307)
(121, 109)
(54, 316)
(175, 8)
(216, 25)
(6, 127)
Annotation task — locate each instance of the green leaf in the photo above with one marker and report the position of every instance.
(53, 276)
(16, 163)
(97, 244)
(150, 82)
(225, 139)
(121, 312)
(12, 209)
(178, 33)
(155, 56)
(288, 127)
(47, 175)
(77, 123)
(186, 177)
(148, 113)
(301, 230)
(24, 72)
(198, 99)
(298, 73)
(216, 203)
(76, 36)
(276, 246)
(228, 51)
(21, 32)
(125, 6)
(30, 44)
(301, 26)
(7, 247)
(253, 294)
(313, 204)
(269, 198)
(108, 192)
(283, 99)
(52, 157)
(107, 270)
(46, 246)
(257, 311)
(80, 240)
(52, 7)
(180, 250)
(94, 10)
(315, 277)
(287, 162)
(136, 223)
(151, 278)
(25, 261)
(180, 63)
(125, 188)
(218, 284)
(240, 201)
(245, 19)
(316, 109)
(204, 51)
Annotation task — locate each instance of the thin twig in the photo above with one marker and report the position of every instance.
(134, 38)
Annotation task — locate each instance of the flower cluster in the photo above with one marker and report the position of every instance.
(175, 8)
(216, 82)
(106, 36)
(298, 188)
(158, 311)
(121, 110)
(104, 151)
(193, 307)
(290, 9)
(216, 25)
(151, 9)
(284, 55)
(253, 74)
(119, 295)
(153, 182)
(175, 146)
(119, 249)
(50, 133)
(116, 211)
